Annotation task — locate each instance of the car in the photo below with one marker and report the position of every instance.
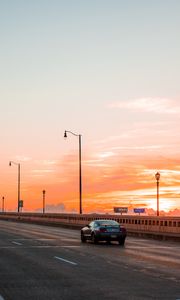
(104, 230)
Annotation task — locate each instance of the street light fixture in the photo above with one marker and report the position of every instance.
(157, 176)
(44, 193)
(17, 164)
(3, 204)
(80, 173)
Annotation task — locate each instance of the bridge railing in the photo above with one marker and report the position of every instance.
(139, 224)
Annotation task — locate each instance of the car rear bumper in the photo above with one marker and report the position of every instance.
(110, 236)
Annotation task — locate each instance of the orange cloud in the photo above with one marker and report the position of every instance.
(111, 177)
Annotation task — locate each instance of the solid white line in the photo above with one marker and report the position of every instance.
(42, 246)
(65, 260)
(73, 246)
(16, 243)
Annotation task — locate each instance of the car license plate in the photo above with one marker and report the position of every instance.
(113, 236)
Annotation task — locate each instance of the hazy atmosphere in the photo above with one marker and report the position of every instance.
(107, 70)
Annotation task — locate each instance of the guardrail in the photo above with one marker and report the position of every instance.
(156, 227)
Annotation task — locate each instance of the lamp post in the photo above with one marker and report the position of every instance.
(157, 176)
(17, 164)
(3, 204)
(80, 173)
(44, 193)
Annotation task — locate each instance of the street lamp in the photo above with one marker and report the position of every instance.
(17, 164)
(157, 176)
(44, 193)
(3, 204)
(80, 173)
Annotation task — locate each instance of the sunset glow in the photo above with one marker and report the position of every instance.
(78, 67)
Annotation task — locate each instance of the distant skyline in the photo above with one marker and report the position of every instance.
(108, 70)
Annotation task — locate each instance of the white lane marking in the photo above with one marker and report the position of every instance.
(65, 260)
(34, 239)
(51, 239)
(1, 298)
(73, 246)
(66, 239)
(16, 243)
(153, 247)
(44, 240)
(43, 246)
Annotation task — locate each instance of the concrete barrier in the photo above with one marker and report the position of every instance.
(155, 227)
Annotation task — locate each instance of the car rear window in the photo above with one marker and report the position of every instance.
(108, 223)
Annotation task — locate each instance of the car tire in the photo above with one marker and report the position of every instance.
(121, 241)
(83, 239)
(94, 238)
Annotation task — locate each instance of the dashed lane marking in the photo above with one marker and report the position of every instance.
(65, 260)
(16, 243)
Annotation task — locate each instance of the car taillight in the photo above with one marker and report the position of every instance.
(123, 229)
(102, 229)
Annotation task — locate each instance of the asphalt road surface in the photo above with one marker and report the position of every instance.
(50, 263)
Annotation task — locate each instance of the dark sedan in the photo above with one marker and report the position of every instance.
(103, 230)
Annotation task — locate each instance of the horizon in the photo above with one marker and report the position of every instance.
(105, 71)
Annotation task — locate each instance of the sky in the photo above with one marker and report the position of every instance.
(106, 70)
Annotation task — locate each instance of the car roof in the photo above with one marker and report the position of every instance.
(99, 220)
(104, 220)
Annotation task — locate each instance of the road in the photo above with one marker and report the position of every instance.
(50, 263)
